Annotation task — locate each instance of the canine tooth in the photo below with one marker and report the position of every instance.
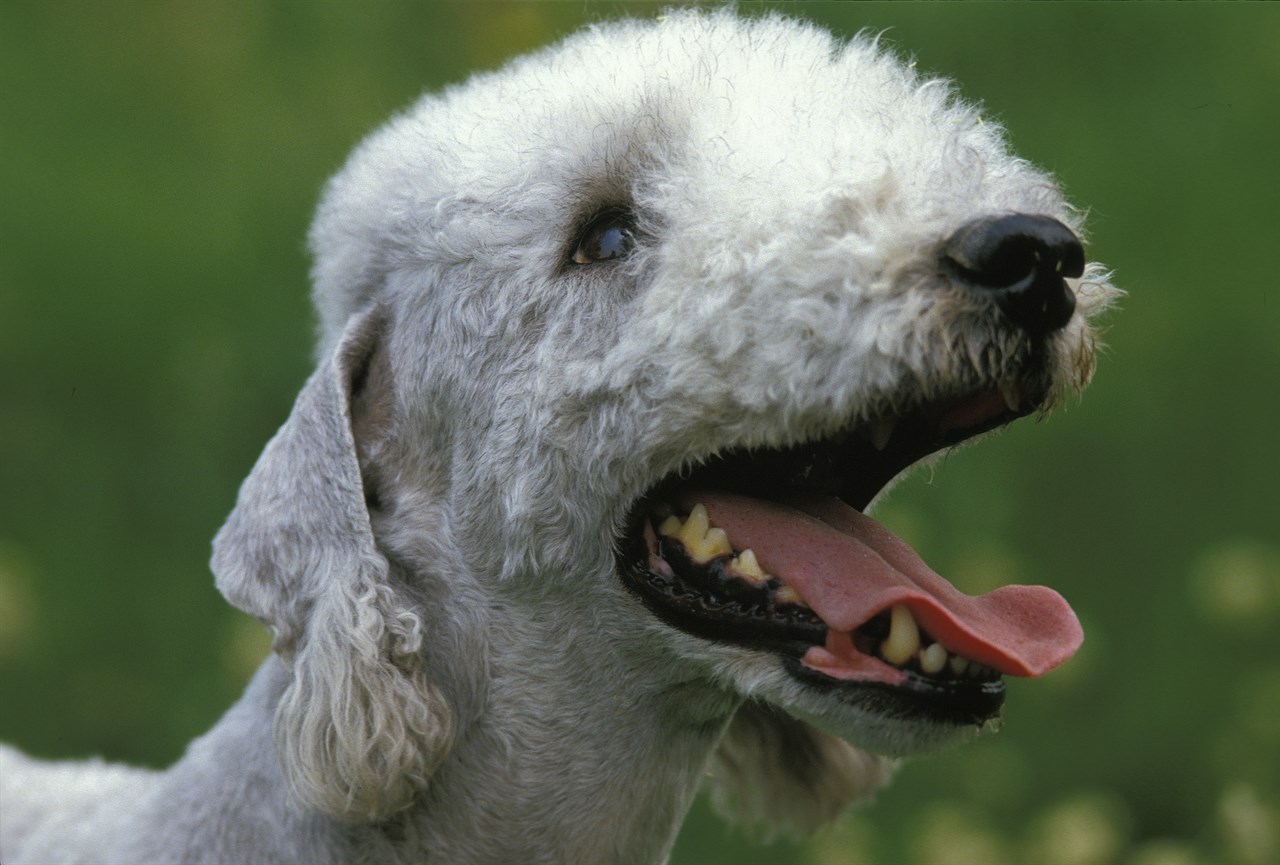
(933, 659)
(670, 526)
(744, 565)
(880, 432)
(904, 637)
(1012, 394)
(788, 595)
(958, 664)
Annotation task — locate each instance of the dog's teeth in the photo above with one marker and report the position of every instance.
(693, 531)
(1012, 394)
(958, 665)
(702, 542)
(714, 543)
(880, 432)
(745, 566)
(788, 595)
(697, 523)
(933, 659)
(904, 637)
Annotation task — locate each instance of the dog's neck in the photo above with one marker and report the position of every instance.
(564, 752)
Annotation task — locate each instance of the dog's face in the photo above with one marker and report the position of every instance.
(663, 309)
(729, 283)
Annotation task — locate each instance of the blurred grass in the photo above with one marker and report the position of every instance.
(158, 165)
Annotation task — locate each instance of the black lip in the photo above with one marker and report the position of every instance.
(712, 616)
(958, 703)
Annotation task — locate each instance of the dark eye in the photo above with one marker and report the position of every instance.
(609, 235)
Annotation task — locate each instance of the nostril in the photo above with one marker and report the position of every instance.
(1022, 259)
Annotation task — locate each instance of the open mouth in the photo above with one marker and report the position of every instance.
(770, 549)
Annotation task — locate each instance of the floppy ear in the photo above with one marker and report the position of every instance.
(775, 770)
(360, 729)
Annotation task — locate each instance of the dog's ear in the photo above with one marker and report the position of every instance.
(774, 770)
(360, 728)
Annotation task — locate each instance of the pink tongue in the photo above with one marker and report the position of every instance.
(848, 568)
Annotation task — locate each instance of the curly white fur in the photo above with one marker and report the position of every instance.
(459, 675)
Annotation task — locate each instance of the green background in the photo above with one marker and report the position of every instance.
(158, 166)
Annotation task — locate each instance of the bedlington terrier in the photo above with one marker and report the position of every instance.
(618, 345)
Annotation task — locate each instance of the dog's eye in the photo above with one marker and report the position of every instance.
(610, 235)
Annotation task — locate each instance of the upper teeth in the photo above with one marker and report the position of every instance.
(702, 542)
(788, 595)
(744, 565)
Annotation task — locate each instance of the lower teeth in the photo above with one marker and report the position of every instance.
(895, 638)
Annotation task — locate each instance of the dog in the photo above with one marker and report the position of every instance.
(618, 345)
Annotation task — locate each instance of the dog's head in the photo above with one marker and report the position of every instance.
(654, 315)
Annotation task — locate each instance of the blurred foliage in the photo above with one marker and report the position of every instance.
(158, 165)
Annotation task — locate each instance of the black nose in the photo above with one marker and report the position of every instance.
(1021, 259)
